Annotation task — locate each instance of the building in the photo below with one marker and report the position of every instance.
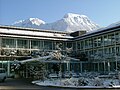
(98, 51)
(101, 48)
(19, 43)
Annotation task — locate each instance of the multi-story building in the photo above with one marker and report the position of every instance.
(101, 49)
(19, 43)
(97, 51)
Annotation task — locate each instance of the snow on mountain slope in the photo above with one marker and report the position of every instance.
(70, 23)
(114, 24)
(31, 23)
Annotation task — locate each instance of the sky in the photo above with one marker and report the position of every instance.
(102, 12)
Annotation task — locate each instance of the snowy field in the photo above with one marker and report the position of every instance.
(80, 83)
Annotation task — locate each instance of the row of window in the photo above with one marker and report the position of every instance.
(103, 46)
(103, 40)
(33, 44)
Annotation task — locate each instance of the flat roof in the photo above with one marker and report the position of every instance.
(99, 32)
(33, 33)
(32, 29)
(56, 35)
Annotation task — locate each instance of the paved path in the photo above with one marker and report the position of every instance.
(15, 84)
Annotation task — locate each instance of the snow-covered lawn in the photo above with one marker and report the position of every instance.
(80, 83)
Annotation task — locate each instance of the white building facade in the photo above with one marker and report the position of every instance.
(97, 51)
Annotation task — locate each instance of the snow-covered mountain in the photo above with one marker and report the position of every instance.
(31, 23)
(114, 24)
(70, 23)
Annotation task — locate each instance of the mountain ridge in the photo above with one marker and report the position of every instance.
(70, 23)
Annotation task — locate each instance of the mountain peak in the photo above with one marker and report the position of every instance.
(72, 15)
(29, 22)
(36, 21)
(70, 22)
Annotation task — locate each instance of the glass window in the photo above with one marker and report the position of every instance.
(106, 51)
(82, 44)
(90, 43)
(95, 42)
(64, 46)
(34, 44)
(74, 46)
(111, 39)
(113, 50)
(69, 44)
(40, 44)
(86, 43)
(8, 43)
(117, 37)
(48, 45)
(91, 52)
(118, 50)
(78, 45)
(105, 40)
(100, 41)
(22, 44)
(54, 45)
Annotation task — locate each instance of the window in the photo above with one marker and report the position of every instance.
(22, 44)
(78, 45)
(90, 43)
(36, 44)
(105, 40)
(8, 43)
(48, 45)
(69, 44)
(82, 45)
(100, 41)
(95, 42)
(117, 37)
(86, 43)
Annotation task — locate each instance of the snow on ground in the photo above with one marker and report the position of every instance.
(75, 83)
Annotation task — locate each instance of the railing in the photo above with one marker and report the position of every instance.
(103, 57)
